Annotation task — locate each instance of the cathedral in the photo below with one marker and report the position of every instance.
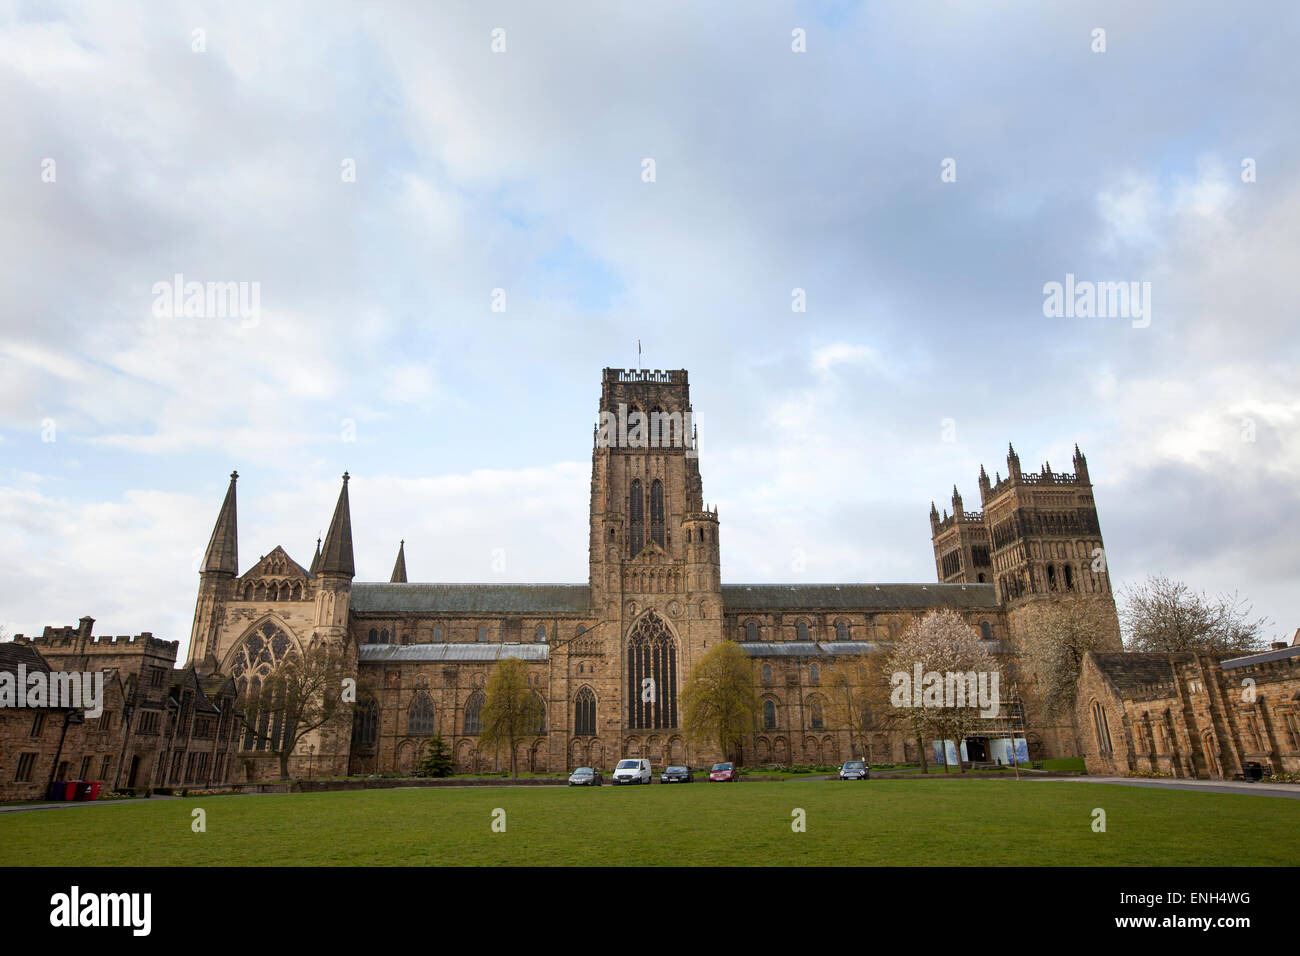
(652, 605)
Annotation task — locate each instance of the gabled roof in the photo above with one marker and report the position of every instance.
(1263, 657)
(13, 653)
(791, 597)
(399, 566)
(376, 598)
(293, 569)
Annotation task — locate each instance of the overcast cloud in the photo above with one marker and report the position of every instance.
(821, 432)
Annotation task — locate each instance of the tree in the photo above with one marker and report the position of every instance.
(719, 700)
(1165, 615)
(942, 642)
(437, 758)
(511, 710)
(859, 699)
(303, 694)
(1056, 636)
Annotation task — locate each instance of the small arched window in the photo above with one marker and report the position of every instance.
(541, 633)
(437, 634)
(383, 636)
(769, 715)
(474, 713)
(374, 636)
(1069, 577)
(751, 630)
(815, 673)
(841, 631)
(482, 632)
(420, 719)
(581, 631)
(986, 631)
(767, 673)
(801, 630)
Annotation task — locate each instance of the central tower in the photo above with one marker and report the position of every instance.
(654, 559)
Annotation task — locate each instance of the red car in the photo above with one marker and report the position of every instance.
(724, 773)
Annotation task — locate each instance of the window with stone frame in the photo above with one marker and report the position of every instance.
(474, 713)
(636, 518)
(841, 630)
(584, 713)
(421, 718)
(769, 715)
(801, 630)
(657, 512)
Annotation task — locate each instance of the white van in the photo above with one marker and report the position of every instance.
(631, 770)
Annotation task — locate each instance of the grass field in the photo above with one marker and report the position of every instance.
(883, 822)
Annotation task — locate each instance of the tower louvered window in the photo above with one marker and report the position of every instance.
(657, 512)
(636, 517)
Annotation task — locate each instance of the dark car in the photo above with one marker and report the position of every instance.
(677, 775)
(855, 770)
(586, 777)
(724, 773)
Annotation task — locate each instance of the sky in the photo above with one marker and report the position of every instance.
(449, 221)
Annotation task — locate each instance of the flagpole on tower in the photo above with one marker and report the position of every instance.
(638, 355)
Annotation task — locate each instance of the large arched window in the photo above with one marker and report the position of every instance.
(474, 713)
(636, 518)
(769, 715)
(657, 512)
(1100, 725)
(584, 713)
(539, 726)
(816, 712)
(751, 630)
(252, 662)
(420, 719)
(365, 724)
(652, 674)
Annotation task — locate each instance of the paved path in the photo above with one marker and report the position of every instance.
(1288, 790)
(69, 804)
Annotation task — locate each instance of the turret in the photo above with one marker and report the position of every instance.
(399, 567)
(1080, 466)
(956, 503)
(335, 571)
(1013, 463)
(986, 488)
(934, 519)
(216, 582)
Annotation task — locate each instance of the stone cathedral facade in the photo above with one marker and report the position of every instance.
(653, 604)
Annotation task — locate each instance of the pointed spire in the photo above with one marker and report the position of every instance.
(399, 569)
(315, 562)
(223, 549)
(336, 557)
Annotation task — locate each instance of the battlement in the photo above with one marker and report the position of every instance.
(68, 638)
(704, 515)
(966, 517)
(675, 376)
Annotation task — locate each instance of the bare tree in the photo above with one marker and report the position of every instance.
(1165, 615)
(859, 699)
(1055, 637)
(303, 694)
(941, 643)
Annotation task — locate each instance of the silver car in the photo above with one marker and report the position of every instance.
(586, 777)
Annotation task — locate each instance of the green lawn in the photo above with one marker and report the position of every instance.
(972, 822)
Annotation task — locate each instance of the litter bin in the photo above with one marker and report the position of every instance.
(83, 790)
(70, 791)
(1253, 771)
(94, 789)
(58, 790)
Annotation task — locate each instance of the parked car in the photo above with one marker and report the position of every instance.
(586, 777)
(631, 770)
(677, 775)
(724, 773)
(855, 770)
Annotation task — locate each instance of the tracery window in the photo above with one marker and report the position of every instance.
(421, 717)
(657, 512)
(474, 713)
(584, 713)
(652, 674)
(365, 724)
